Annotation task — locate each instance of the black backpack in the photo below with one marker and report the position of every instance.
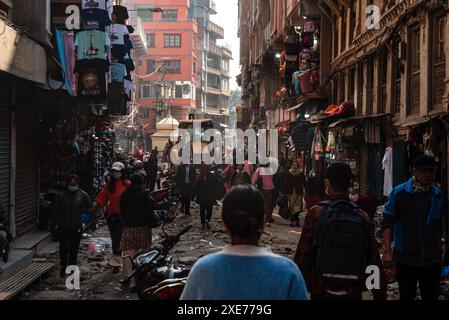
(342, 243)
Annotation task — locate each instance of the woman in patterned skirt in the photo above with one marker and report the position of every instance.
(135, 206)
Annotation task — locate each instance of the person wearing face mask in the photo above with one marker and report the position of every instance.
(69, 206)
(109, 198)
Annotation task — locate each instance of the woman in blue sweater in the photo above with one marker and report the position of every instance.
(244, 270)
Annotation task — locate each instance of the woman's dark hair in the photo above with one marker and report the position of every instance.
(137, 181)
(243, 211)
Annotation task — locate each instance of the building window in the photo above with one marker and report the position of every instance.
(172, 41)
(149, 90)
(397, 66)
(382, 68)
(226, 64)
(173, 66)
(170, 15)
(151, 40)
(370, 87)
(360, 87)
(351, 83)
(343, 29)
(151, 66)
(145, 13)
(414, 69)
(438, 60)
(342, 88)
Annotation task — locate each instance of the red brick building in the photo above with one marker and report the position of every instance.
(168, 71)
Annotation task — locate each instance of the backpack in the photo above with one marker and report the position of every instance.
(342, 242)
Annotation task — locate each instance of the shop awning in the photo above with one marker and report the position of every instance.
(342, 121)
(416, 122)
(310, 101)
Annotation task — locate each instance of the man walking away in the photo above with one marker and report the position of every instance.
(337, 244)
(206, 194)
(413, 215)
(69, 206)
(185, 178)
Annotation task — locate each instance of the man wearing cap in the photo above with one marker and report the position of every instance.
(413, 217)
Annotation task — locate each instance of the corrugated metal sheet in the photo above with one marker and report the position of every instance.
(27, 179)
(5, 144)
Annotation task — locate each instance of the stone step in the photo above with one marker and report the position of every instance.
(18, 260)
(35, 241)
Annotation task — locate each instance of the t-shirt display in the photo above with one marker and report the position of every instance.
(121, 14)
(95, 19)
(92, 44)
(117, 33)
(92, 79)
(118, 71)
(95, 4)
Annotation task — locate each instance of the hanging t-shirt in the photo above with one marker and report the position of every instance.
(92, 79)
(118, 71)
(92, 44)
(118, 53)
(95, 19)
(121, 13)
(128, 88)
(117, 33)
(96, 4)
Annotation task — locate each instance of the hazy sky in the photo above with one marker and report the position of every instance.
(227, 17)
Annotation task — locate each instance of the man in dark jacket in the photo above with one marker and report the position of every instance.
(206, 194)
(69, 206)
(414, 215)
(151, 169)
(337, 185)
(185, 178)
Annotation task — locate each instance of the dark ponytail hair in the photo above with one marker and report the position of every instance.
(243, 211)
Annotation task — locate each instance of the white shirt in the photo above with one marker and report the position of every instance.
(117, 32)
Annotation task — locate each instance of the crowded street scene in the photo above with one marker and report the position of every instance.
(224, 150)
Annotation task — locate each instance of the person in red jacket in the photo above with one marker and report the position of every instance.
(109, 198)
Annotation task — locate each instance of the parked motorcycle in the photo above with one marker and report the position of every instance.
(167, 201)
(152, 267)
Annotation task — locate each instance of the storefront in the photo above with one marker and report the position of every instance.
(5, 143)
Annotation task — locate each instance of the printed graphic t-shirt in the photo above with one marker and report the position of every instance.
(117, 33)
(95, 4)
(95, 19)
(92, 79)
(92, 44)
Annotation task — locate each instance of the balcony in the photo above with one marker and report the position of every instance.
(216, 29)
(213, 70)
(212, 90)
(209, 5)
(213, 48)
(226, 53)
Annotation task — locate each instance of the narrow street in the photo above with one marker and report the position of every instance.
(99, 283)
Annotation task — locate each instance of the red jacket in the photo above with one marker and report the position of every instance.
(112, 200)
